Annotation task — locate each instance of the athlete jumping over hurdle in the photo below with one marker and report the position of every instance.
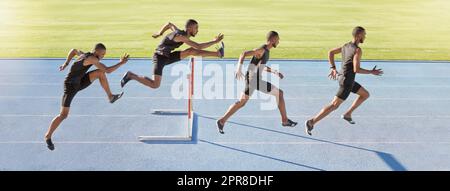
(253, 81)
(164, 54)
(78, 79)
(351, 59)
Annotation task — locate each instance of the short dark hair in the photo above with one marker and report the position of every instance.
(190, 22)
(100, 46)
(271, 34)
(358, 30)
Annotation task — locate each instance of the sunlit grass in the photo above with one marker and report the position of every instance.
(401, 29)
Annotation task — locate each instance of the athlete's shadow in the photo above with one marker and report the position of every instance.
(387, 158)
(260, 155)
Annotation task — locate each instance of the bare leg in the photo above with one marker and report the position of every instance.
(152, 83)
(234, 108)
(327, 110)
(56, 121)
(196, 52)
(281, 105)
(101, 76)
(363, 96)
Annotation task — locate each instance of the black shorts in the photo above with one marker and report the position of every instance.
(255, 83)
(346, 87)
(159, 61)
(71, 89)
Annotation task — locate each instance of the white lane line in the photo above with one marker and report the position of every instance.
(253, 98)
(333, 142)
(237, 116)
(354, 116)
(77, 115)
(72, 142)
(245, 143)
(233, 85)
(119, 75)
(83, 97)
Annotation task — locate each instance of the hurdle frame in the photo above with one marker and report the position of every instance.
(189, 113)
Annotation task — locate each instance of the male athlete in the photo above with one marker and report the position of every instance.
(164, 54)
(351, 59)
(253, 81)
(78, 78)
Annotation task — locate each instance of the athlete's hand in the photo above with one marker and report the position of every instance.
(377, 72)
(218, 38)
(156, 35)
(280, 75)
(333, 74)
(124, 58)
(239, 75)
(63, 66)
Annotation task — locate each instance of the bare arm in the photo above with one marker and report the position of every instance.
(199, 46)
(270, 70)
(333, 71)
(357, 65)
(331, 54)
(74, 52)
(164, 28)
(109, 69)
(276, 72)
(258, 51)
(253, 52)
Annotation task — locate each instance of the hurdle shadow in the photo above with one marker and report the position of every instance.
(194, 139)
(387, 158)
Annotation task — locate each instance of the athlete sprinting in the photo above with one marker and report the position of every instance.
(253, 81)
(351, 59)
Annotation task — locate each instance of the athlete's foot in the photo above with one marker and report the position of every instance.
(289, 123)
(309, 126)
(220, 126)
(348, 119)
(125, 79)
(221, 50)
(115, 97)
(50, 144)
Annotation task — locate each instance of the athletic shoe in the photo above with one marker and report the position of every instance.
(308, 127)
(116, 97)
(50, 144)
(220, 127)
(289, 123)
(125, 79)
(221, 50)
(348, 119)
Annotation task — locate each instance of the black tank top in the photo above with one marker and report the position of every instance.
(264, 58)
(168, 44)
(78, 70)
(348, 52)
(257, 65)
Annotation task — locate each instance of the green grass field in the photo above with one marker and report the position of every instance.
(400, 29)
